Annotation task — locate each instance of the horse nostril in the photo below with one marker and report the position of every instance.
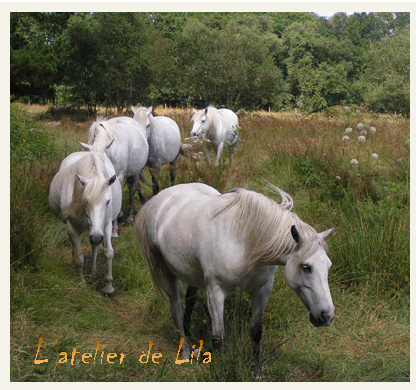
(96, 239)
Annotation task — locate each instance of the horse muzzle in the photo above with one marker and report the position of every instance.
(324, 319)
(96, 239)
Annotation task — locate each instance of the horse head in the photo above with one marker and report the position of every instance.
(306, 273)
(199, 123)
(143, 115)
(97, 201)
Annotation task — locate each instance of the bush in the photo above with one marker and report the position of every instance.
(28, 140)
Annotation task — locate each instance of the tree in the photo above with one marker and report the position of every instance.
(34, 54)
(233, 66)
(106, 58)
(80, 54)
(122, 57)
(318, 67)
(386, 78)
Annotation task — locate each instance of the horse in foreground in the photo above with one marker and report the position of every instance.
(124, 141)
(85, 194)
(221, 243)
(164, 143)
(218, 128)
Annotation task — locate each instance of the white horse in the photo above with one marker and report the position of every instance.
(164, 143)
(124, 141)
(221, 243)
(86, 194)
(218, 129)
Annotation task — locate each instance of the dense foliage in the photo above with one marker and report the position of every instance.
(241, 60)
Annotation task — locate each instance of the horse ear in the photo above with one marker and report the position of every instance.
(112, 179)
(194, 111)
(149, 110)
(295, 233)
(82, 179)
(133, 110)
(87, 147)
(327, 233)
(206, 111)
(110, 144)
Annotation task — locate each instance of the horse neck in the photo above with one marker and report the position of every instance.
(212, 118)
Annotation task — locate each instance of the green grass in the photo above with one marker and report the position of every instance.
(370, 279)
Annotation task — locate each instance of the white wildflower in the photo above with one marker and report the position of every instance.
(375, 156)
(372, 130)
(345, 138)
(360, 126)
(338, 177)
(361, 138)
(348, 130)
(354, 161)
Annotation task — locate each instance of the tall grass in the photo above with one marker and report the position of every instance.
(305, 156)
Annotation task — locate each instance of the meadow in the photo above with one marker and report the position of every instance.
(363, 187)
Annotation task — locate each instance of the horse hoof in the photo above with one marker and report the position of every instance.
(255, 369)
(130, 220)
(109, 291)
(114, 235)
(111, 296)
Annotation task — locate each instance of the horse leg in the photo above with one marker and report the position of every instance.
(171, 284)
(109, 255)
(114, 234)
(232, 152)
(94, 260)
(190, 300)
(75, 238)
(173, 171)
(258, 304)
(219, 152)
(207, 153)
(215, 300)
(139, 187)
(155, 172)
(131, 182)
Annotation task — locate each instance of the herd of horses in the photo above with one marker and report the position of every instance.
(190, 233)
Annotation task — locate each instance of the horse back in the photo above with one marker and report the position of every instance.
(130, 150)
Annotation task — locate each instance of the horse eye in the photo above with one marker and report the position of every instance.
(306, 268)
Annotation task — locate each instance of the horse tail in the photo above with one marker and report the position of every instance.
(147, 252)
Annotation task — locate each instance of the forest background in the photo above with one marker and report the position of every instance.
(277, 61)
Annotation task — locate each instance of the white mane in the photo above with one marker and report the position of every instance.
(265, 225)
(93, 191)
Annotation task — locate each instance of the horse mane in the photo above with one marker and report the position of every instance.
(90, 193)
(101, 133)
(264, 224)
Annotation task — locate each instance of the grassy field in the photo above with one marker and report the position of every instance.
(307, 157)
